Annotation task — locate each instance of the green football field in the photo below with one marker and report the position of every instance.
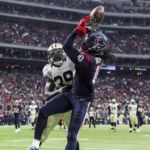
(101, 138)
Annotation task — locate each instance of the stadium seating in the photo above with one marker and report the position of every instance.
(127, 6)
(19, 83)
(42, 35)
(33, 28)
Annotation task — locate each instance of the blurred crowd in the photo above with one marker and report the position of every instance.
(24, 85)
(42, 35)
(134, 6)
(30, 34)
(23, 54)
(123, 88)
(37, 12)
(130, 42)
(64, 15)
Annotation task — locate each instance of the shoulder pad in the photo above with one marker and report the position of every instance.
(47, 71)
(70, 63)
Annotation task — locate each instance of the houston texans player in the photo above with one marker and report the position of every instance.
(140, 115)
(17, 110)
(95, 49)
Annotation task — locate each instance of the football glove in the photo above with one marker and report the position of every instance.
(81, 31)
(85, 25)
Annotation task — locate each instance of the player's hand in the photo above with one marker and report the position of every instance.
(85, 21)
(81, 31)
(89, 23)
(85, 25)
(65, 88)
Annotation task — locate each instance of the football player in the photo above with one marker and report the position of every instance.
(58, 74)
(96, 45)
(92, 116)
(113, 112)
(132, 108)
(32, 111)
(140, 115)
(17, 110)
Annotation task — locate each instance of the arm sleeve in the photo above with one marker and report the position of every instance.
(137, 108)
(80, 59)
(50, 89)
(109, 111)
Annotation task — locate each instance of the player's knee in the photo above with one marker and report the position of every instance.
(72, 136)
(42, 112)
(78, 115)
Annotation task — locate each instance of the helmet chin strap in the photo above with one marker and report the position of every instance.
(58, 63)
(96, 50)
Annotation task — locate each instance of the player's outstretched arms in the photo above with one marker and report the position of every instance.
(68, 47)
(81, 30)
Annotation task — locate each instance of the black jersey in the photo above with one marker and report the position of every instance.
(139, 111)
(85, 69)
(17, 110)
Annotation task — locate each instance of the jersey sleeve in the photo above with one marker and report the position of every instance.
(47, 71)
(70, 63)
(109, 110)
(118, 106)
(80, 59)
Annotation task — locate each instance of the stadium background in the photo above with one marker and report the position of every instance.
(28, 27)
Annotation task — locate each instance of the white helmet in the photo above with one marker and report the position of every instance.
(113, 100)
(132, 101)
(33, 102)
(56, 55)
(91, 108)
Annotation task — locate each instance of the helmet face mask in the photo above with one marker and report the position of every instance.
(97, 44)
(132, 101)
(97, 50)
(56, 55)
(33, 103)
(113, 101)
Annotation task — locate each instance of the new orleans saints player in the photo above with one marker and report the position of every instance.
(32, 110)
(59, 74)
(92, 115)
(132, 109)
(113, 110)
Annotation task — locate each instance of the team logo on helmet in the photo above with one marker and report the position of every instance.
(56, 55)
(97, 44)
(97, 41)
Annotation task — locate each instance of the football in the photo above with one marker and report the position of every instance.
(98, 13)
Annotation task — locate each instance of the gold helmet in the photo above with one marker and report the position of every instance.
(132, 101)
(113, 100)
(56, 55)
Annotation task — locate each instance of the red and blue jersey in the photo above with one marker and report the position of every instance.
(85, 69)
